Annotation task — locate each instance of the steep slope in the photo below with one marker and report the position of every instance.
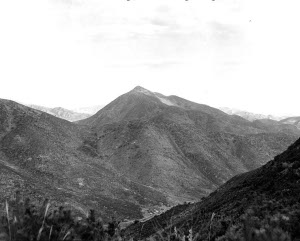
(62, 113)
(262, 203)
(183, 149)
(42, 155)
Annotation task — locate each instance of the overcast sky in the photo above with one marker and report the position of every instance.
(74, 53)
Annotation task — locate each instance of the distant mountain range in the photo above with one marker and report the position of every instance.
(266, 119)
(141, 150)
(249, 115)
(62, 113)
(91, 110)
(70, 115)
(292, 121)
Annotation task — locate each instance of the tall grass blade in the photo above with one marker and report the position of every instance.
(42, 227)
(211, 219)
(67, 234)
(7, 214)
(50, 232)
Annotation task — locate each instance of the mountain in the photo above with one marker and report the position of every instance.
(263, 204)
(62, 113)
(91, 110)
(292, 121)
(248, 115)
(182, 149)
(140, 154)
(44, 156)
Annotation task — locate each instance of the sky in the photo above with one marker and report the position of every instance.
(241, 54)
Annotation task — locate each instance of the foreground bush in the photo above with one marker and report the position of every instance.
(263, 220)
(26, 222)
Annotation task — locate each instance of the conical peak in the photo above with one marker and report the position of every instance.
(141, 89)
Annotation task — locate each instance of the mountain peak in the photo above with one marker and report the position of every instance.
(141, 90)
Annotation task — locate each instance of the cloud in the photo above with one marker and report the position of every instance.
(162, 22)
(225, 33)
(162, 64)
(68, 3)
(163, 9)
(149, 64)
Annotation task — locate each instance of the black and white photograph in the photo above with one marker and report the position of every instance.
(154, 120)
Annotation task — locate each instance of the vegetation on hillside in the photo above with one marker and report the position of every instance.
(262, 205)
(263, 220)
(26, 222)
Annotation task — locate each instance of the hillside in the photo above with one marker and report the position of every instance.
(183, 149)
(62, 113)
(42, 156)
(263, 204)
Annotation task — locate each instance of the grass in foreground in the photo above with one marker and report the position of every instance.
(26, 222)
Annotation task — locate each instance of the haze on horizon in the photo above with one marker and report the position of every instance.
(224, 53)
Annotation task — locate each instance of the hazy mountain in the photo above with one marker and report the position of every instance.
(276, 126)
(292, 121)
(62, 113)
(250, 116)
(91, 110)
(181, 148)
(263, 203)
